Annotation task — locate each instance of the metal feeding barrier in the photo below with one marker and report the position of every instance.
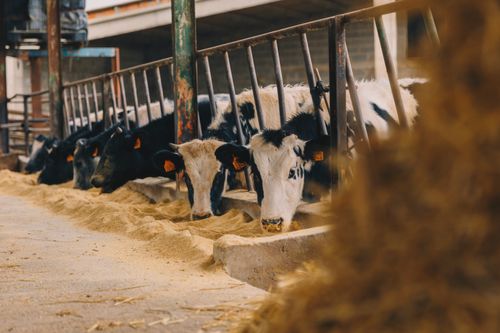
(107, 93)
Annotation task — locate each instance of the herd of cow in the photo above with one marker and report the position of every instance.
(288, 163)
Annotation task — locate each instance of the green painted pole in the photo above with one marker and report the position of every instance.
(185, 83)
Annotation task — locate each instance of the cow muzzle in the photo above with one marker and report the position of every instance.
(272, 225)
(97, 181)
(201, 216)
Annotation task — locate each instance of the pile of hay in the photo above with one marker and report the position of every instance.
(416, 243)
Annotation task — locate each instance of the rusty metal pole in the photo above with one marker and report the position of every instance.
(185, 76)
(55, 68)
(4, 132)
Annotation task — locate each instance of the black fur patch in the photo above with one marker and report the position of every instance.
(385, 115)
(304, 125)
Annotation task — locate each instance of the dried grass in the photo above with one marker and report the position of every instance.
(416, 244)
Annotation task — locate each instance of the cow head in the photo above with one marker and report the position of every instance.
(121, 159)
(58, 166)
(39, 153)
(86, 157)
(279, 164)
(203, 173)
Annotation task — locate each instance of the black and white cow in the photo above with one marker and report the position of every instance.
(39, 152)
(204, 175)
(58, 167)
(284, 161)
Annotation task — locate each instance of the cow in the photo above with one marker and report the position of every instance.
(58, 167)
(284, 160)
(39, 152)
(204, 175)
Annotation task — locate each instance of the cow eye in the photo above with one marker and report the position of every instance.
(292, 173)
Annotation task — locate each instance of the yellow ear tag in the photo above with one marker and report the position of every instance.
(137, 144)
(95, 152)
(69, 158)
(168, 166)
(318, 156)
(237, 165)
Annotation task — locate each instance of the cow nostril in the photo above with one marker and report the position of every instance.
(96, 182)
(201, 216)
(272, 225)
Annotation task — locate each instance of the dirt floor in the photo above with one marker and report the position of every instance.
(57, 275)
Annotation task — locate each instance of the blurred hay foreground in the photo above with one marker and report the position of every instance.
(416, 244)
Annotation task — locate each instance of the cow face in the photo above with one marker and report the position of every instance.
(121, 160)
(279, 165)
(85, 161)
(58, 167)
(39, 153)
(203, 173)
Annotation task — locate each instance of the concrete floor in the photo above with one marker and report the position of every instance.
(58, 277)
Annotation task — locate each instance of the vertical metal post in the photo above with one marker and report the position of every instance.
(80, 105)
(96, 102)
(136, 100)
(26, 125)
(391, 72)
(159, 86)
(236, 112)
(36, 85)
(106, 102)
(87, 105)
(113, 99)
(356, 104)
(4, 119)
(185, 78)
(210, 86)
(73, 111)
(66, 112)
(148, 96)
(430, 26)
(338, 115)
(55, 69)
(124, 102)
(312, 84)
(255, 88)
(279, 81)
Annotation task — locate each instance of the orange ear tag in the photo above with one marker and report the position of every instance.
(318, 156)
(168, 166)
(69, 158)
(237, 165)
(137, 144)
(95, 152)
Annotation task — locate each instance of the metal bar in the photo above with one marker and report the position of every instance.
(106, 102)
(312, 84)
(73, 111)
(87, 106)
(279, 81)
(391, 72)
(4, 119)
(136, 100)
(255, 88)
(96, 102)
(36, 85)
(356, 104)
(66, 111)
(159, 86)
(124, 102)
(80, 105)
(113, 99)
(26, 129)
(185, 70)
(236, 112)
(430, 26)
(210, 87)
(338, 116)
(148, 96)
(55, 68)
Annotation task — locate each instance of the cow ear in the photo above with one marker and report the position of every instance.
(233, 157)
(317, 150)
(95, 151)
(138, 140)
(168, 161)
